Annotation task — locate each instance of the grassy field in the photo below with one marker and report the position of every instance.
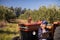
(9, 31)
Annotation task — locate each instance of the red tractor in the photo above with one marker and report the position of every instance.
(29, 30)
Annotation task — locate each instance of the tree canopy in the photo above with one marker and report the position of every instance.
(51, 13)
(43, 13)
(6, 13)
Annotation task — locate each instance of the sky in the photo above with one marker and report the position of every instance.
(29, 4)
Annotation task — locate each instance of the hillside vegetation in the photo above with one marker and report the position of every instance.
(9, 31)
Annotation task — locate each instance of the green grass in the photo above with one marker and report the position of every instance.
(5, 36)
(9, 31)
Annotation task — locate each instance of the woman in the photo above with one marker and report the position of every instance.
(43, 32)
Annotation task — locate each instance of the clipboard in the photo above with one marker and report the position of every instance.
(45, 35)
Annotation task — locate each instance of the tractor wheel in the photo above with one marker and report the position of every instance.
(16, 38)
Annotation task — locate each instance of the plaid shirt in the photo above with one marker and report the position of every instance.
(40, 34)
